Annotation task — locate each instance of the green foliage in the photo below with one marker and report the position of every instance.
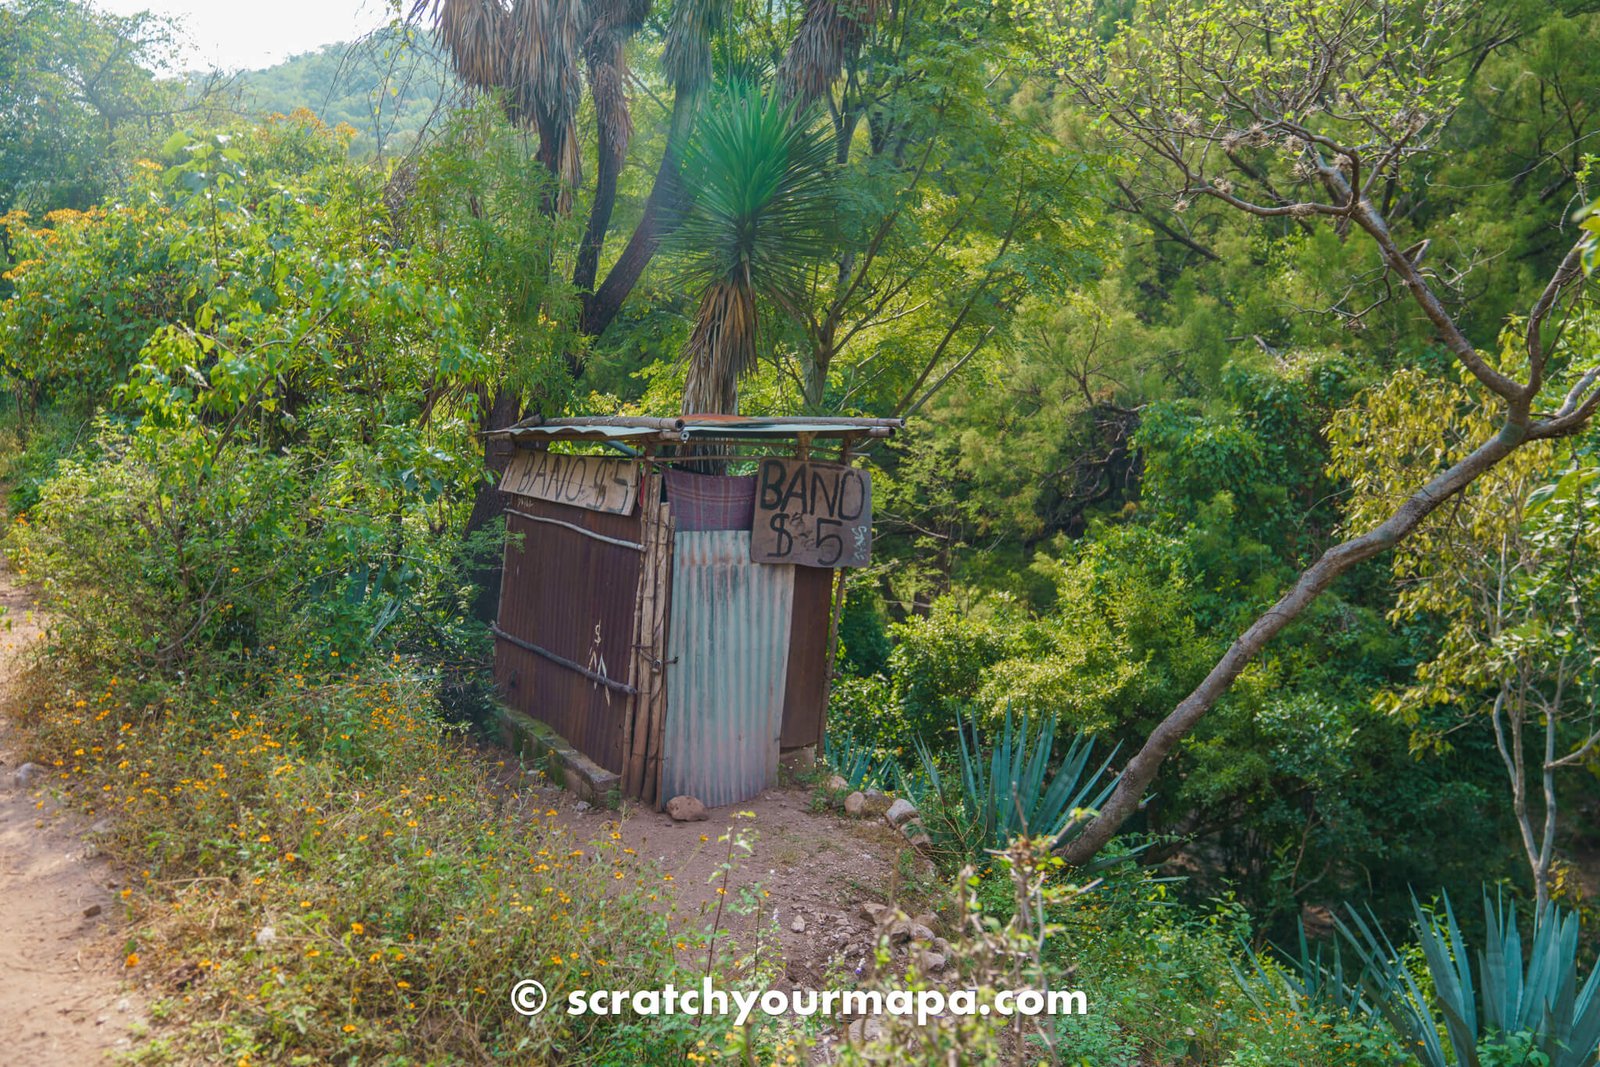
(154, 549)
(858, 765)
(1532, 1005)
(78, 93)
(761, 207)
(290, 429)
(1018, 791)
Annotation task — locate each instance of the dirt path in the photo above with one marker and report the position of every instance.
(62, 1001)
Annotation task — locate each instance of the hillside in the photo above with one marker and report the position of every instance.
(385, 86)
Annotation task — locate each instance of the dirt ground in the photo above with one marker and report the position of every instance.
(812, 870)
(62, 1000)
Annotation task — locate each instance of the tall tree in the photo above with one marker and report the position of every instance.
(74, 82)
(1332, 99)
(529, 52)
(1510, 573)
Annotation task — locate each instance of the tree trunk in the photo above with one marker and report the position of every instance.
(661, 214)
(1141, 770)
(488, 505)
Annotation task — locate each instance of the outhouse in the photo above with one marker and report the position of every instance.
(671, 589)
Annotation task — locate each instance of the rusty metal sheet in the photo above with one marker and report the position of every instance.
(729, 642)
(805, 696)
(573, 596)
(812, 514)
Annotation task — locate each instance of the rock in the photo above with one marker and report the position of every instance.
(855, 803)
(874, 913)
(920, 933)
(799, 924)
(582, 806)
(942, 947)
(101, 827)
(933, 961)
(900, 812)
(265, 936)
(920, 840)
(928, 919)
(27, 774)
(875, 794)
(687, 809)
(124, 1005)
(838, 784)
(91, 911)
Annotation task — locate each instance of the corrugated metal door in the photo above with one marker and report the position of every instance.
(574, 596)
(729, 645)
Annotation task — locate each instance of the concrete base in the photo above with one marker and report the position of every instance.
(538, 746)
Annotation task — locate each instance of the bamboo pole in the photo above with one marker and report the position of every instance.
(658, 709)
(638, 667)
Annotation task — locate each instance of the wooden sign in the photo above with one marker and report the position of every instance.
(813, 514)
(592, 482)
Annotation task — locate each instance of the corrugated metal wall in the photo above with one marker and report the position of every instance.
(573, 596)
(729, 642)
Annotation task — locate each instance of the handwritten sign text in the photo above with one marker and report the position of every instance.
(813, 514)
(592, 482)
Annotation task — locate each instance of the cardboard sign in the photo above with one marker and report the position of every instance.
(592, 482)
(813, 514)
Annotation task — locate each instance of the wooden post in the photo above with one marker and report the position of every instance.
(658, 710)
(638, 664)
(642, 741)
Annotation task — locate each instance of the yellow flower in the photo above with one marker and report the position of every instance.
(132, 960)
(357, 928)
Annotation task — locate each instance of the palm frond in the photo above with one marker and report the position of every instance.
(686, 56)
(475, 34)
(722, 348)
(829, 32)
(758, 220)
(762, 201)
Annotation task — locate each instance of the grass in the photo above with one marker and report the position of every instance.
(326, 875)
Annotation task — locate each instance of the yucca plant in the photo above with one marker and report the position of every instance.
(758, 222)
(1012, 793)
(1539, 1005)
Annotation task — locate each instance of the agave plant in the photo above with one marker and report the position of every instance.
(1308, 980)
(759, 221)
(1014, 792)
(858, 764)
(1539, 1004)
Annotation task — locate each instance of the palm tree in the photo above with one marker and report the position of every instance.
(529, 52)
(758, 220)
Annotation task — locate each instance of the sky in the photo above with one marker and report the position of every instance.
(247, 34)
